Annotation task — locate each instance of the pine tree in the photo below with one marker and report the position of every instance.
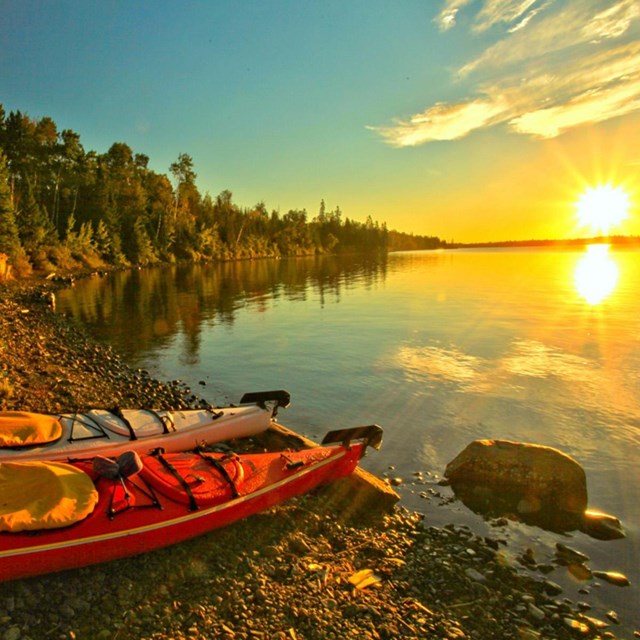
(9, 239)
(10, 248)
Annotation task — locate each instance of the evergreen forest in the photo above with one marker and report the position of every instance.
(65, 209)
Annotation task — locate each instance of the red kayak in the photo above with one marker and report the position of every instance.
(101, 509)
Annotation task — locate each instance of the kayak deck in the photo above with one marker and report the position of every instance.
(32, 436)
(173, 498)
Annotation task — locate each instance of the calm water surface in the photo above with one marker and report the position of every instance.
(440, 348)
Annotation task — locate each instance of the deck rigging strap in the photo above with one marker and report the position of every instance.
(165, 420)
(116, 411)
(193, 505)
(223, 472)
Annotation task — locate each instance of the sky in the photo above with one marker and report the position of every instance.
(471, 120)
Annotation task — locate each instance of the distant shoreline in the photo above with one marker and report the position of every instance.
(571, 242)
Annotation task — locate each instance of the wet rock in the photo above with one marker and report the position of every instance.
(536, 477)
(601, 526)
(595, 623)
(576, 626)
(612, 577)
(613, 616)
(528, 558)
(552, 588)
(569, 555)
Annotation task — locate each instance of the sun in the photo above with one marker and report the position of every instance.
(602, 208)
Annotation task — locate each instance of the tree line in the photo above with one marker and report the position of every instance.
(64, 208)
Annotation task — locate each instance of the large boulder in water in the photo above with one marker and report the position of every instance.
(533, 480)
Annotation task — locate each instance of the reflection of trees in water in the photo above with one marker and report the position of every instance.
(139, 310)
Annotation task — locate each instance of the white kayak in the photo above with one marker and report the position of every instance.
(36, 436)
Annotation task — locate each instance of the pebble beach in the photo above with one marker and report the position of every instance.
(300, 571)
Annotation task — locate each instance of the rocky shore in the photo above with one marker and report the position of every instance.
(296, 572)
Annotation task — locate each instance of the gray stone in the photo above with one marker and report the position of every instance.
(475, 575)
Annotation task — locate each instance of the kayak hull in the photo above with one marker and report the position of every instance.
(261, 481)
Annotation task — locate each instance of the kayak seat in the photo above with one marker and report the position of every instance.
(24, 429)
(44, 495)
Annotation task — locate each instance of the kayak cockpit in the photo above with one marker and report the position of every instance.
(24, 429)
(44, 495)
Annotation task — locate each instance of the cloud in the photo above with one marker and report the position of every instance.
(530, 16)
(442, 122)
(446, 19)
(611, 89)
(613, 21)
(492, 13)
(552, 71)
(496, 11)
(555, 33)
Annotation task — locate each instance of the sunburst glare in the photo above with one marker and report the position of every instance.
(596, 274)
(603, 207)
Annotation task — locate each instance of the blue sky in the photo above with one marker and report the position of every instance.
(465, 119)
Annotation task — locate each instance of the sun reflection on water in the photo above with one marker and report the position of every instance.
(596, 274)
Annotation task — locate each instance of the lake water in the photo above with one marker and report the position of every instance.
(440, 348)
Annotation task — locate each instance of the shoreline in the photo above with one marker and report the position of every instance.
(280, 575)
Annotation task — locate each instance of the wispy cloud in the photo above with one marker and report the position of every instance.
(558, 65)
(508, 11)
(613, 21)
(606, 86)
(446, 19)
(527, 18)
(443, 122)
(573, 31)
